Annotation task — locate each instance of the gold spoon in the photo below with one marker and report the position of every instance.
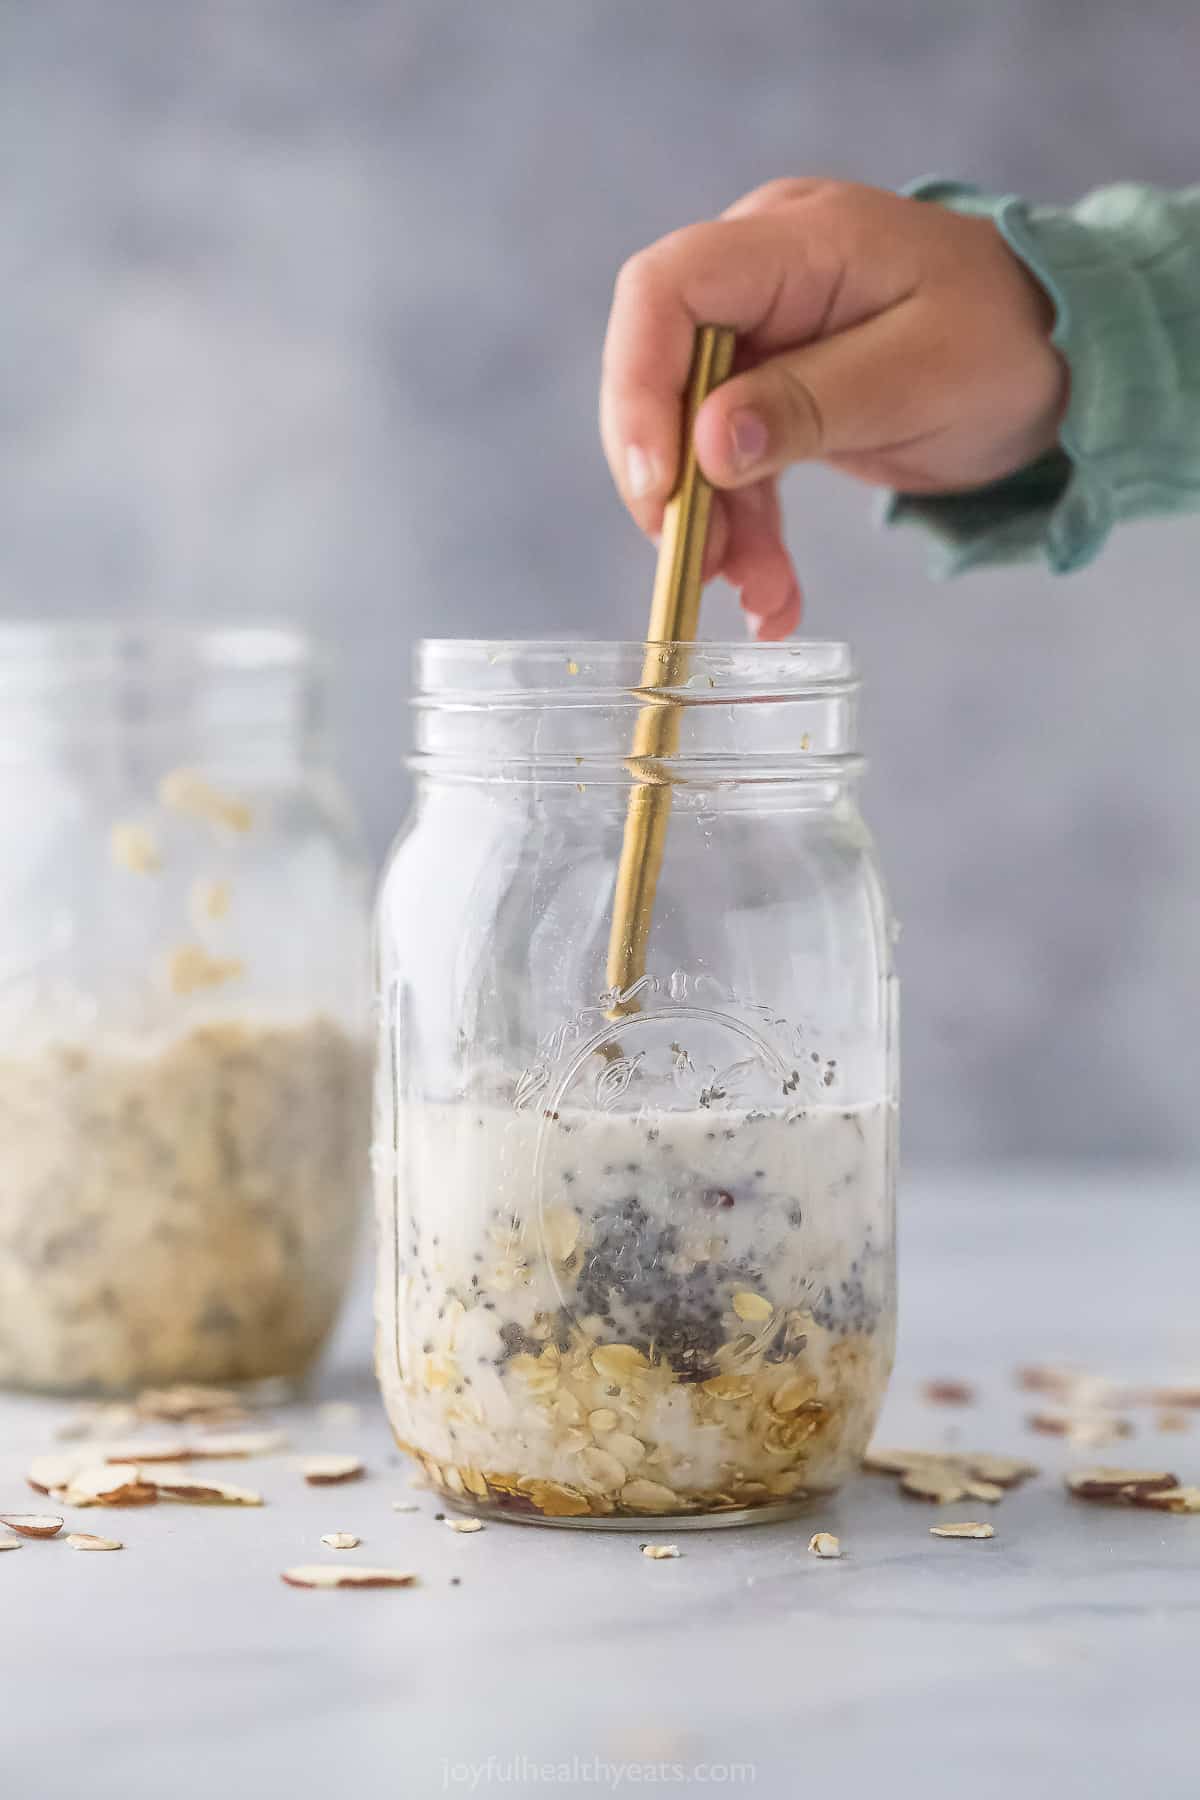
(674, 618)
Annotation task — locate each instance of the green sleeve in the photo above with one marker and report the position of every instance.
(1122, 269)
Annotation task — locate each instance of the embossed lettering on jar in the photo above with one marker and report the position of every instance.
(636, 1248)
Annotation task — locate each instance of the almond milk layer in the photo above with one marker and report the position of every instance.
(618, 1315)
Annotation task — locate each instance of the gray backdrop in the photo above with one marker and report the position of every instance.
(302, 312)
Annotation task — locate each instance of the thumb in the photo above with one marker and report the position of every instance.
(852, 392)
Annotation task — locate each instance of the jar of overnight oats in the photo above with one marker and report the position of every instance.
(636, 1246)
(184, 1009)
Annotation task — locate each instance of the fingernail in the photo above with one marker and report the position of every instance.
(748, 437)
(639, 472)
(754, 624)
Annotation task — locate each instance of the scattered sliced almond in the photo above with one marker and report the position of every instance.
(179, 1484)
(152, 1450)
(342, 1413)
(824, 1544)
(660, 1552)
(983, 1490)
(938, 1482)
(1094, 1429)
(967, 1529)
(461, 1525)
(1118, 1484)
(1173, 1421)
(948, 1393)
(46, 1473)
(233, 1445)
(897, 1462)
(346, 1575)
(87, 1540)
(1172, 1499)
(9, 1542)
(1174, 1396)
(328, 1471)
(188, 1400)
(402, 1506)
(32, 1525)
(752, 1307)
(340, 1540)
(108, 1484)
(1005, 1471)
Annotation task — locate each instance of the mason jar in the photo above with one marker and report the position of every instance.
(636, 1242)
(184, 1008)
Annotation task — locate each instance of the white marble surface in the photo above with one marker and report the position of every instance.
(1058, 1658)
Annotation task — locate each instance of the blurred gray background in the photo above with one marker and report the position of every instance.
(302, 309)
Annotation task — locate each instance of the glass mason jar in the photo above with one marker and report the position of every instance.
(184, 1008)
(636, 1247)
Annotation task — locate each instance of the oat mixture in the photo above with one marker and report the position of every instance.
(180, 1210)
(635, 1313)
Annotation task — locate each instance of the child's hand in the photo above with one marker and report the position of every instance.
(891, 338)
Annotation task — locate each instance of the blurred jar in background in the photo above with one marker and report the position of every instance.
(183, 1006)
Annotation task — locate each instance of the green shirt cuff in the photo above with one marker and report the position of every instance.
(1122, 270)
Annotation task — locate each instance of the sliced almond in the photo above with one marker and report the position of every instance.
(660, 1552)
(234, 1444)
(556, 1499)
(465, 1525)
(340, 1540)
(983, 1490)
(560, 1232)
(824, 1544)
(727, 1387)
(967, 1529)
(603, 1419)
(938, 1482)
(1172, 1421)
(134, 847)
(603, 1468)
(402, 1506)
(328, 1471)
(45, 1473)
(107, 1484)
(188, 1400)
(1172, 1499)
(346, 1575)
(9, 1542)
(1118, 1484)
(153, 1450)
(1005, 1471)
(190, 968)
(751, 1307)
(792, 1394)
(188, 791)
(1081, 1428)
(1175, 1396)
(649, 1496)
(948, 1393)
(618, 1363)
(897, 1462)
(87, 1540)
(32, 1525)
(185, 1487)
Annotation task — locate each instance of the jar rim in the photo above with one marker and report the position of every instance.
(87, 646)
(485, 670)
